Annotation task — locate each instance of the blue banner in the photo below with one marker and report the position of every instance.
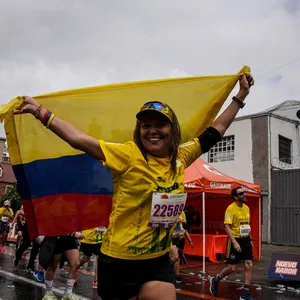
(284, 266)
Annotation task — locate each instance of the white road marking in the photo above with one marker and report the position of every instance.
(41, 285)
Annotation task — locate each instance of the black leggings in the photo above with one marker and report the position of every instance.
(25, 244)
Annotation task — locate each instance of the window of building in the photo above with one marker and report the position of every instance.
(223, 150)
(8, 187)
(285, 149)
(5, 157)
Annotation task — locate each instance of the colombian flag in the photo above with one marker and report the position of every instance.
(64, 190)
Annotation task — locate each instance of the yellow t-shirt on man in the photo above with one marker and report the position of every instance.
(239, 219)
(135, 179)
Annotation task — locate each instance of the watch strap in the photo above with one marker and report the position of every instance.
(241, 103)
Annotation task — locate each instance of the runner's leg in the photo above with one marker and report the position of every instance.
(23, 247)
(154, 290)
(84, 259)
(248, 272)
(96, 269)
(19, 239)
(3, 239)
(174, 256)
(73, 257)
(33, 255)
(227, 271)
(49, 276)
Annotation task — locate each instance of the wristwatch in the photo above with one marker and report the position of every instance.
(241, 103)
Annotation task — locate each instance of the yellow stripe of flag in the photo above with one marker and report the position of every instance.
(108, 112)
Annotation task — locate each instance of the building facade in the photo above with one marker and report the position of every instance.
(7, 176)
(256, 146)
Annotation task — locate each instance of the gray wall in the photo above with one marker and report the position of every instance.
(260, 162)
(285, 216)
(260, 151)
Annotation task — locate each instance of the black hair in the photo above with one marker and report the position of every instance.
(174, 144)
(234, 191)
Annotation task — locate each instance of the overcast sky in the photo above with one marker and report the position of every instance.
(53, 45)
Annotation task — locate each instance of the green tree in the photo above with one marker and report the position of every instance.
(14, 197)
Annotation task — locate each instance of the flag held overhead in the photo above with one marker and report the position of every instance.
(64, 190)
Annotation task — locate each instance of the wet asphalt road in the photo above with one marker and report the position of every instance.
(16, 283)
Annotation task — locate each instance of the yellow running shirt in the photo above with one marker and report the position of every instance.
(128, 235)
(6, 215)
(93, 235)
(239, 219)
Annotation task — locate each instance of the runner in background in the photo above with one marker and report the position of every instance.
(239, 242)
(39, 273)
(6, 216)
(91, 244)
(178, 241)
(19, 222)
(51, 252)
(25, 243)
(193, 220)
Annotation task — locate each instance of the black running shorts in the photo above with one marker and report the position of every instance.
(179, 243)
(90, 249)
(120, 279)
(234, 257)
(65, 243)
(4, 227)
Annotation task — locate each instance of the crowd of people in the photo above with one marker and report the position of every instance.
(134, 263)
(51, 251)
(56, 250)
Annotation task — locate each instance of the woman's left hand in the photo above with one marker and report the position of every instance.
(246, 81)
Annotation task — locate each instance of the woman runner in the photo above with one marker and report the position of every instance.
(91, 244)
(148, 176)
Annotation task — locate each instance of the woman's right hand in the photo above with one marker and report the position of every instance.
(29, 105)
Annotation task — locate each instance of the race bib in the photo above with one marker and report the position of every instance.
(166, 209)
(5, 219)
(245, 230)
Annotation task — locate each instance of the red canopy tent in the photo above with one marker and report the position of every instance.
(202, 181)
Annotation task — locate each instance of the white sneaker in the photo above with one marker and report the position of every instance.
(70, 296)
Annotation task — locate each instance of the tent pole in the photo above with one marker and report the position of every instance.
(203, 231)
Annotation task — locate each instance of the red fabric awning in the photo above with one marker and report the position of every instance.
(202, 177)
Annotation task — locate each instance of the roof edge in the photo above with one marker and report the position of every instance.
(264, 114)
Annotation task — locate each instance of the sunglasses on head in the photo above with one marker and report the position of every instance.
(155, 105)
(241, 194)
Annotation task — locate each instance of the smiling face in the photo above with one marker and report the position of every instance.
(240, 195)
(156, 133)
